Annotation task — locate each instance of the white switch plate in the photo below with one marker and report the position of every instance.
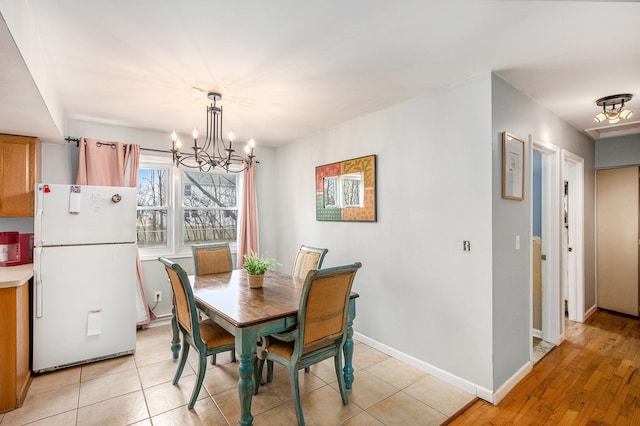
(517, 242)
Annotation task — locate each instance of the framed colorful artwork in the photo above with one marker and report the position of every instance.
(346, 191)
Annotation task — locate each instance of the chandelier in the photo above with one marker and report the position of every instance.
(214, 152)
(613, 108)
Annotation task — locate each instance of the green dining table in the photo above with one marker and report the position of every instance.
(251, 313)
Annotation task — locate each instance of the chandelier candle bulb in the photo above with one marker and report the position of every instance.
(174, 138)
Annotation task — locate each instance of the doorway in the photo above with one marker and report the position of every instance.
(573, 236)
(547, 317)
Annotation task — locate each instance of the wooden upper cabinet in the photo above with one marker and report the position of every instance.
(17, 175)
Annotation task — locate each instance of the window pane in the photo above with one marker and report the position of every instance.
(151, 226)
(353, 189)
(152, 187)
(212, 190)
(201, 226)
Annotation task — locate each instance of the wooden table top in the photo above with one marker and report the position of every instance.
(228, 294)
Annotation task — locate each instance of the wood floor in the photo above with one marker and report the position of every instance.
(590, 379)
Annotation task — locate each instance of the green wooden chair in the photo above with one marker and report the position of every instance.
(308, 258)
(320, 331)
(212, 259)
(207, 337)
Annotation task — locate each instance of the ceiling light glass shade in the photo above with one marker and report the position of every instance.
(613, 108)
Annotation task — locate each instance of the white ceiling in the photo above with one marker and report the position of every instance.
(290, 68)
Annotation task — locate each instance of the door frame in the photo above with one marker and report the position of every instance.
(552, 313)
(573, 172)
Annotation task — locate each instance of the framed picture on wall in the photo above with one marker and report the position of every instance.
(512, 167)
(346, 191)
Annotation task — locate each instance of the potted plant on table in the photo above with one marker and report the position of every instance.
(256, 265)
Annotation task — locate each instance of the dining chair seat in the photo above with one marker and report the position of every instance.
(213, 335)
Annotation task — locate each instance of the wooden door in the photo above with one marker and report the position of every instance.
(617, 239)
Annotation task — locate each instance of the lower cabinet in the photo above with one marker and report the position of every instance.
(15, 375)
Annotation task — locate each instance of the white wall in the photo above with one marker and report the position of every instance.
(420, 294)
(518, 114)
(620, 151)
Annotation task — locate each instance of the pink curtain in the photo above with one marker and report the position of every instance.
(248, 226)
(105, 163)
(101, 163)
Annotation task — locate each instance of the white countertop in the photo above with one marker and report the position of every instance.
(15, 276)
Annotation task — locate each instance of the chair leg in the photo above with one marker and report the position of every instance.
(233, 355)
(213, 359)
(307, 369)
(270, 371)
(202, 369)
(183, 361)
(257, 374)
(295, 391)
(343, 389)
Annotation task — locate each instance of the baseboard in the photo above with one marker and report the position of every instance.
(160, 320)
(510, 384)
(473, 388)
(452, 379)
(537, 333)
(592, 310)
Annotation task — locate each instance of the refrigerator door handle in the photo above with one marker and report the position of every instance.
(37, 263)
(38, 299)
(37, 228)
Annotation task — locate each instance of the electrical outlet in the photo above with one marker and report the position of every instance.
(158, 296)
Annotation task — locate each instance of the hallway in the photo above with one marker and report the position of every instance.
(591, 378)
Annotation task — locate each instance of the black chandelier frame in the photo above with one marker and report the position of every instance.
(215, 153)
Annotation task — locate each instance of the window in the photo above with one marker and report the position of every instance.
(205, 205)
(210, 204)
(153, 207)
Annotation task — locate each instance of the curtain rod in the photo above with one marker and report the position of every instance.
(77, 141)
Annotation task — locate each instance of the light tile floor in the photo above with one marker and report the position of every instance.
(137, 390)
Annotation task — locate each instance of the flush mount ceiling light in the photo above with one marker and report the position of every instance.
(215, 152)
(613, 108)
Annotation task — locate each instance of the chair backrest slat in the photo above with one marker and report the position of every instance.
(181, 299)
(308, 258)
(212, 258)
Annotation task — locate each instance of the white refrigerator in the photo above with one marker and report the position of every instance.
(84, 299)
